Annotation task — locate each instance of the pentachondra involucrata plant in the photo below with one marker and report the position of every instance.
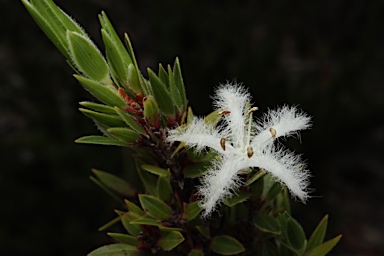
(214, 185)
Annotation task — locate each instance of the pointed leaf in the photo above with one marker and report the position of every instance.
(134, 208)
(108, 27)
(170, 240)
(196, 170)
(164, 188)
(163, 75)
(191, 210)
(115, 59)
(226, 245)
(146, 221)
(87, 58)
(50, 32)
(174, 90)
(156, 170)
(98, 107)
(67, 22)
(179, 81)
(255, 177)
(213, 118)
(326, 247)
(114, 183)
(104, 93)
(126, 219)
(130, 121)
(149, 181)
(267, 223)
(196, 253)
(318, 234)
(114, 250)
(162, 97)
(100, 140)
(204, 231)
(295, 234)
(126, 239)
(105, 119)
(155, 207)
(133, 79)
(237, 198)
(144, 86)
(124, 134)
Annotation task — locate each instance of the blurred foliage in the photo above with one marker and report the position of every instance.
(325, 55)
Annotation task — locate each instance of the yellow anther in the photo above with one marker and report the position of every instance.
(251, 110)
(222, 143)
(224, 112)
(273, 132)
(249, 151)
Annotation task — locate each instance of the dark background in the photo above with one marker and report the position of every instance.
(326, 56)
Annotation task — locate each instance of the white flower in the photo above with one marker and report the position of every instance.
(242, 143)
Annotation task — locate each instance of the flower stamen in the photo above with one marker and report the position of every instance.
(222, 143)
(251, 110)
(273, 133)
(224, 112)
(249, 151)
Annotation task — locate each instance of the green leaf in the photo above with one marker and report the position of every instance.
(226, 245)
(133, 79)
(191, 210)
(144, 87)
(110, 223)
(52, 33)
(155, 207)
(237, 198)
(126, 219)
(124, 134)
(149, 181)
(106, 94)
(179, 82)
(293, 232)
(196, 253)
(114, 250)
(65, 21)
(170, 240)
(326, 247)
(255, 177)
(162, 97)
(273, 191)
(125, 239)
(168, 229)
(134, 208)
(114, 183)
(267, 223)
(87, 58)
(318, 234)
(213, 118)
(105, 119)
(106, 189)
(146, 221)
(98, 107)
(174, 90)
(100, 140)
(164, 188)
(129, 120)
(156, 170)
(196, 170)
(151, 112)
(204, 231)
(119, 66)
(163, 75)
(108, 27)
